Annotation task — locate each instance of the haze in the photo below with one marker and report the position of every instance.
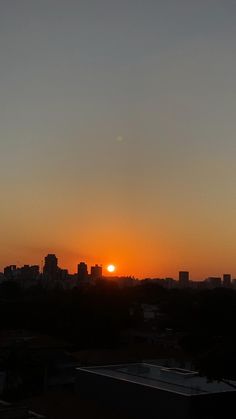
(117, 134)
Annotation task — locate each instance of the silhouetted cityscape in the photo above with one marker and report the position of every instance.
(117, 215)
(52, 274)
(175, 338)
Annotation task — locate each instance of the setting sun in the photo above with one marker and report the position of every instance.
(111, 268)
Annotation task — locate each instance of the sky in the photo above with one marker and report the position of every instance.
(117, 134)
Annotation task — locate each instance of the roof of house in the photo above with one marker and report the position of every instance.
(175, 380)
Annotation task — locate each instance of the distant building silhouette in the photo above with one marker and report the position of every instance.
(29, 272)
(26, 272)
(169, 283)
(96, 272)
(82, 271)
(10, 272)
(227, 280)
(51, 266)
(214, 282)
(184, 278)
(62, 274)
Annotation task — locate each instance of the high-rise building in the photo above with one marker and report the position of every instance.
(82, 271)
(51, 266)
(226, 280)
(183, 278)
(96, 272)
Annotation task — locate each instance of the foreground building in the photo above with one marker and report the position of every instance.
(147, 390)
(17, 411)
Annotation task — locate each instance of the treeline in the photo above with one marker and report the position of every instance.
(94, 317)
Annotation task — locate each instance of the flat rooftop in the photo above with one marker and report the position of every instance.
(14, 410)
(175, 380)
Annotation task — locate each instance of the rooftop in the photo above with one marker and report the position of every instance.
(175, 380)
(13, 411)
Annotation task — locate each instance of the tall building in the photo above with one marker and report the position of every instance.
(227, 280)
(51, 266)
(82, 271)
(96, 272)
(183, 278)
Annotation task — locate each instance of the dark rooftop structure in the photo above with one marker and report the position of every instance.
(17, 411)
(156, 391)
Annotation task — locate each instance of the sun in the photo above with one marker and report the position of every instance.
(111, 268)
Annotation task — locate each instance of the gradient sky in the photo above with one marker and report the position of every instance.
(118, 134)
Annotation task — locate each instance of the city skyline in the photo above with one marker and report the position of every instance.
(117, 213)
(51, 267)
(70, 262)
(117, 134)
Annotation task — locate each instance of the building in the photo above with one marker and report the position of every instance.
(213, 282)
(150, 312)
(10, 272)
(227, 280)
(169, 283)
(148, 390)
(96, 272)
(17, 411)
(63, 274)
(29, 272)
(184, 279)
(51, 266)
(26, 272)
(82, 271)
